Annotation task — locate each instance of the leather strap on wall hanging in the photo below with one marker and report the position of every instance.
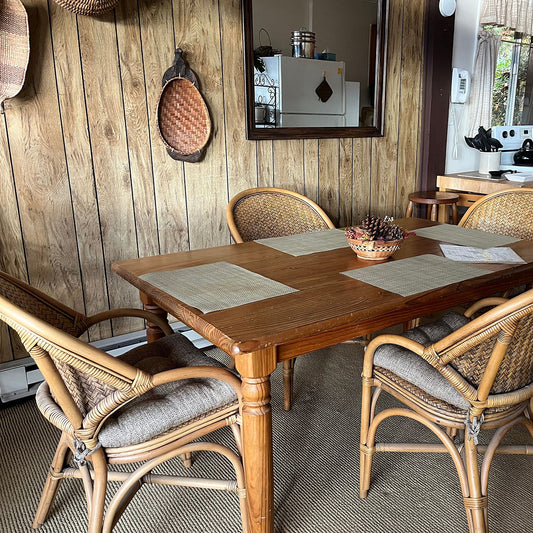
(183, 119)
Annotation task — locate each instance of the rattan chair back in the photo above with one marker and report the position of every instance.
(271, 212)
(508, 212)
(41, 305)
(82, 379)
(494, 351)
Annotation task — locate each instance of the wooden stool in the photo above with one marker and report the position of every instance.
(433, 199)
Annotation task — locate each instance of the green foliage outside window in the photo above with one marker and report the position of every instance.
(504, 74)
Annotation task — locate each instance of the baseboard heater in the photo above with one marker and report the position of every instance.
(22, 377)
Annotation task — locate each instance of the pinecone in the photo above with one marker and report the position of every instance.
(375, 228)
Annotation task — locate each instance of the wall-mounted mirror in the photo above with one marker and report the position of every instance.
(314, 68)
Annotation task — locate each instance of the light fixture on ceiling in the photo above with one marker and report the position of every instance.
(447, 7)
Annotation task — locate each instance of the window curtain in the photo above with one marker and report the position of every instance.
(515, 14)
(479, 107)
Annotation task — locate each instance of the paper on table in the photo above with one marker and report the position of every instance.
(480, 255)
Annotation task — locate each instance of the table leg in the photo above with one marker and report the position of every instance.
(255, 369)
(153, 331)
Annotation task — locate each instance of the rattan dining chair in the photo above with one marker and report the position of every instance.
(508, 212)
(265, 212)
(456, 376)
(143, 408)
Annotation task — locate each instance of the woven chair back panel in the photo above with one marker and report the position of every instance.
(31, 303)
(87, 391)
(516, 369)
(508, 214)
(260, 216)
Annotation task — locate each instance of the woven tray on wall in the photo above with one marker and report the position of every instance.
(183, 119)
(14, 48)
(88, 7)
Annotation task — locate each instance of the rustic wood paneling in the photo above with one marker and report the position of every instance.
(385, 149)
(265, 163)
(410, 85)
(78, 156)
(328, 177)
(240, 153)
(198, 32)
(361, 179)
(288, 165)
(85, 179)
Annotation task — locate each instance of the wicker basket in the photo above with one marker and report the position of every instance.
(373, 251)
(183, 120)
(14, 48)
(88, 7)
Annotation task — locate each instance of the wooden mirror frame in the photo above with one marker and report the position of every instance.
(252, 132)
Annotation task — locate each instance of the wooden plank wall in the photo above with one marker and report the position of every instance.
(85, 179)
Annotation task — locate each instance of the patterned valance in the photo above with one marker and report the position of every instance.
(515, 14)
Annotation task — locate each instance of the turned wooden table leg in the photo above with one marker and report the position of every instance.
(255, 369)
(153, 331)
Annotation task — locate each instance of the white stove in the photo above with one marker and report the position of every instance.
(512, 138)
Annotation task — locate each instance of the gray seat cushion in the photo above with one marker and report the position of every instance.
(170, 405)
(413, 368)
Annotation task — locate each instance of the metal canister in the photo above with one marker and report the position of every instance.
(303, 44)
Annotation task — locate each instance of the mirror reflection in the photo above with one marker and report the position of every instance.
(314, 64)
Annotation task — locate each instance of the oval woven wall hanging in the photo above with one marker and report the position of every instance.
(14, 48)
(88, 7)
(183, 119)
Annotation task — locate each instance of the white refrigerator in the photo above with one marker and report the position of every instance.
(288, 89)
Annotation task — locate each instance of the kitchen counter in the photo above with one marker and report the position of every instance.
(472, 186)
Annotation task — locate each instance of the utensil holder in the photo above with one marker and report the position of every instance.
(489, 161)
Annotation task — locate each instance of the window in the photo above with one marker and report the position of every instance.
(513, 83)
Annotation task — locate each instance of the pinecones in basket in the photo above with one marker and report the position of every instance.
(374, 228)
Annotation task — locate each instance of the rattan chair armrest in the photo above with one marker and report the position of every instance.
(213, 372)
(485, 302)
(127, 312)
(398, 340)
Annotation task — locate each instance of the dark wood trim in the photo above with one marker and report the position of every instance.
(436, 102)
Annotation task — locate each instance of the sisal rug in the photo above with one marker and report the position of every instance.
(316, 472)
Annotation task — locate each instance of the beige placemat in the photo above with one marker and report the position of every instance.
(415, 274)
(465, 236)
(216, 286)
(307, 243)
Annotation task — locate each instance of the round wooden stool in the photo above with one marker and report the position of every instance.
(433, 199)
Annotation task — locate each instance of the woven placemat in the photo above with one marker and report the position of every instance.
(216, 286)
(307, 243)
(465, 236)
(415, 274)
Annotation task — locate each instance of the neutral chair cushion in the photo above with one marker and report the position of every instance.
(411, 367)
(170, 405)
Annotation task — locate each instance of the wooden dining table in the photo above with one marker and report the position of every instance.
(327, 308)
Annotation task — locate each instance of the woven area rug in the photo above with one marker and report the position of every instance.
(316, 465)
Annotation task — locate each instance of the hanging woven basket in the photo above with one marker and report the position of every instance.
(183, 119)
(88, 7)
(14, 48)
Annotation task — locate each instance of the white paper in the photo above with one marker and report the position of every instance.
(480, 255)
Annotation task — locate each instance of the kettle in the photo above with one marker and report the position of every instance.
(524, 156)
